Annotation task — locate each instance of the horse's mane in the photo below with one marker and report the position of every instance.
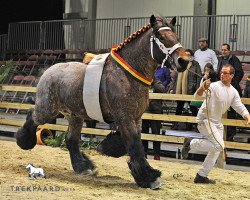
(133, 36)
(164, 22)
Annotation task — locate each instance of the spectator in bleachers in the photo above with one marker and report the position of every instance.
(171, 87)
(155, 106)
(163, 74)
(246, 93)
(187, 83)
(209, 73)
(205, 55)
(228, 58)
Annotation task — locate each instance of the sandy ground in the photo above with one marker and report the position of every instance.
(113, 180)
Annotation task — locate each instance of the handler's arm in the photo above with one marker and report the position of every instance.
(205, 85)
(247, 117)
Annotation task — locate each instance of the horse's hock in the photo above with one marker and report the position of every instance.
(43, 134)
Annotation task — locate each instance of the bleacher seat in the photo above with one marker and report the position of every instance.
(18, 79)
(29, 80)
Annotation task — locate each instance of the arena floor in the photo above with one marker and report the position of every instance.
(113, 180)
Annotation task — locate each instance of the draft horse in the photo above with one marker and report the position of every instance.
(123, 97)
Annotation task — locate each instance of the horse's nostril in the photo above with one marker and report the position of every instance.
(182, 64)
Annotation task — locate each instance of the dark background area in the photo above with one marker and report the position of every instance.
(29, 10)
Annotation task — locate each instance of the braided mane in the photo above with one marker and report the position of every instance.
(133, 36)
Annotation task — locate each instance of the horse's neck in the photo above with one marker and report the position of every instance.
(137, 54)
(32, 168)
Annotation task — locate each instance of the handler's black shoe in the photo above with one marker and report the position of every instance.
(203, 180)
(186, 148)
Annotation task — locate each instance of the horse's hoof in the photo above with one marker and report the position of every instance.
(157, 183)
(89, 172)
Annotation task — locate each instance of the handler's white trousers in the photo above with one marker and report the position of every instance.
(211, 145)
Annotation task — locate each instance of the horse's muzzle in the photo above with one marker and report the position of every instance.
(181, 64)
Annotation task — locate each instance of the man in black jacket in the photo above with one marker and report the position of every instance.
(228, 58)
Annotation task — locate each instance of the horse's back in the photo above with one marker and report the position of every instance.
(62, 70)
(59, 89)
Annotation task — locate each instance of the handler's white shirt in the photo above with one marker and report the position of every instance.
(221, 98)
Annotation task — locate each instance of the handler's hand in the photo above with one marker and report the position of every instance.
(247, 117)
(206, 84)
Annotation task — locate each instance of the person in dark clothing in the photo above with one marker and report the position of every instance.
(209, 73)
(228, 58)
(247, 91)
(163, 74)
(155, 106)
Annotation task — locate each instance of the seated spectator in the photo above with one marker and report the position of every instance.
(155, 106)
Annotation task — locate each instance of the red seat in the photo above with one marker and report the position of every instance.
(29, 79)
(246, 74)
(247, 53)
(246, 67)
(18, 79)
(48, 52)
(33, 57)
(238, 53)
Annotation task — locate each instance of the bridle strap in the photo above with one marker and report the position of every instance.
(165, 50)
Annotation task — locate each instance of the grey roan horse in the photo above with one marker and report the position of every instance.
(123, 98)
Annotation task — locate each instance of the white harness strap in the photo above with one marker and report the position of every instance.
(91, 87)
(165, 50)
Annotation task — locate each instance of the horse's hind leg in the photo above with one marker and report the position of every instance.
(80, 162)
(26, 135)
(45, 111)
(144, 175)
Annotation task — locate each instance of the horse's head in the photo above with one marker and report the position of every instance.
(165, 45)
(29, 166)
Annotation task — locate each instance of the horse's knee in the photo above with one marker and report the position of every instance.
(43, 116)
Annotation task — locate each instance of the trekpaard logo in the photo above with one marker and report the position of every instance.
(38, 188)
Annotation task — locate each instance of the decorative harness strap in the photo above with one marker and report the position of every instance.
(165, 50)
(130, 69)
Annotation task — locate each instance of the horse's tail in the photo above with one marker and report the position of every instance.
(26, 135)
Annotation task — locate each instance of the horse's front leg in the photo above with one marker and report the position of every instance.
(145, 176)
(80, 162)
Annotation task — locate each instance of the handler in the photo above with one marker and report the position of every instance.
(221, 95)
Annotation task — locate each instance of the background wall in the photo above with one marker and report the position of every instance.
(143, 8)
(233, 7)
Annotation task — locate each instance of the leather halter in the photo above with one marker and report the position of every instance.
(165, 50)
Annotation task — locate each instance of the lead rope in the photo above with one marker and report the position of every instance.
(208, 93)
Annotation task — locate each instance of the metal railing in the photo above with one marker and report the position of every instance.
(104, 33)
(3, 45)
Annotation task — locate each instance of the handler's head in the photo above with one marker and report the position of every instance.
(227, 74)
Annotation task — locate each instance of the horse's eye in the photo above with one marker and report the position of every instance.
(161, 37)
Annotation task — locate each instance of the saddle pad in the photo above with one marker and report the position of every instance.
(91, 87)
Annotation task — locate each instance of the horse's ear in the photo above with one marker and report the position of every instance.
(152, 20)
(173, 21)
